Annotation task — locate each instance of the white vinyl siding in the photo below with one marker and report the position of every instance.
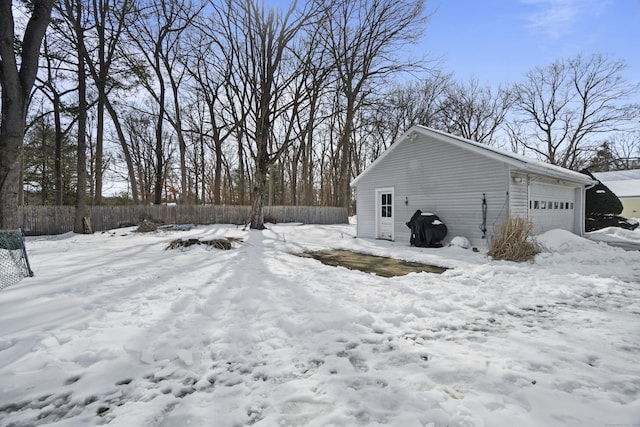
(519, 195)
(438, 178)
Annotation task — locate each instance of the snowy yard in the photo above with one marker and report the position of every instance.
(114, 329)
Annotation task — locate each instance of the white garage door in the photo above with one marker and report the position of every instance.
(551, 206)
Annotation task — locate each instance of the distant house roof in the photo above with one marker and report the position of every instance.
(622, 183)
(516, 160)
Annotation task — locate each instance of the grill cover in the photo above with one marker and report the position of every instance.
(427, 231)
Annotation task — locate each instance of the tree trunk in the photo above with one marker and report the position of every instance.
(43, 166)
(217, 141)
(99, 149)
(270, 186)
(99, 13)
(59, 138)
(307, 155)
(159, 166)
(203, 183)
(259, 183)
(257, 195)
(294, 174)
(15, 88)
(344, 147)
(182, 145)
(241, 177)
(125, 150)
(217, 180)
(82, 212)
(10, 176)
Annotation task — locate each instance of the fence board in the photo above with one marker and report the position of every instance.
(40, 220)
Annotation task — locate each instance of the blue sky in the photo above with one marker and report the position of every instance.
(498, 41)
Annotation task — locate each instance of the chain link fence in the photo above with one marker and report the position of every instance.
(14, 264)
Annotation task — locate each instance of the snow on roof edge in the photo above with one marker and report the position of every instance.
(515, 159)
(616, 176)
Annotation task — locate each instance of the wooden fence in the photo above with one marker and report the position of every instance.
(39, 220)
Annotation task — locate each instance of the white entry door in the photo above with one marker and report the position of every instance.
(385, 212)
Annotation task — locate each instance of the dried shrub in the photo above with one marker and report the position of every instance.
(224, 244)
(513, 241)
(147, 226)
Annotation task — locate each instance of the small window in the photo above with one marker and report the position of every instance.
(549, 204)
(543, 204)
(386, 206)
(536, 204)
(571, 205)
(561, 205)
(555, 205)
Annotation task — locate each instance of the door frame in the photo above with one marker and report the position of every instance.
(378, 210)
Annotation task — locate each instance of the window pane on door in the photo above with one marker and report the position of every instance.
(386, 205)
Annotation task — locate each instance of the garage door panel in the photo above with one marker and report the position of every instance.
(551, 206)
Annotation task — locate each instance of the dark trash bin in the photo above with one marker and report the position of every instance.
(427, 231)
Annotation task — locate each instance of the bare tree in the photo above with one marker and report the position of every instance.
(315, 84)
(18, 69)
(210, 68)
(105, 62)
(417, 102)
(75, 14)
(51, 85)
(564, 106)
(109, 18)
(139, 128)
(364, 38)
(262, 45)
(626, 150)
(474, 112)
(620, 151)
(157, 35)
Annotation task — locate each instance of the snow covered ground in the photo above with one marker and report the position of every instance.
(114, 329)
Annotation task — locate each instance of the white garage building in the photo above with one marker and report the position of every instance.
(472, 188)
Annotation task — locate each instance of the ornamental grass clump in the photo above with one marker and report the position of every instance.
(513, 241)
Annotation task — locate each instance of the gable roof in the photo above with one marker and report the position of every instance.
(515, 160)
